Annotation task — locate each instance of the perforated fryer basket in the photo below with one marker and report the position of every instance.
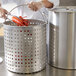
(25, 47)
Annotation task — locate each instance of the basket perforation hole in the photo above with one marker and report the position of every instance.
(35, 62)
(15, 59)
(31, 58)
(25, 62)
(31, 55)
(21, 59)
(18, 66)
(20, 30)
(15, 55)
(15, 37)
(24, 38)
(31, 38)
(25, 66)
(27, 30)
(14, 34)
(31, 34)
(25, 59)
(24, 30)
(31, 62)
(29, 66)
(28, 59)
(33, 23)
(21, 52)
(18, 62)
(11, 38)
(28, 38)
(15, 65)
(28, 62)
(25, 56)
(21, 35)
(21, 62)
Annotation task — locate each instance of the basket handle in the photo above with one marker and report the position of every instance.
(25, 4)
(42, 13)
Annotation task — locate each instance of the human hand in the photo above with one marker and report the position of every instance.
(3, 13)
(35, 5)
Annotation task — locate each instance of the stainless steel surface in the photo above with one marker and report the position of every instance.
(48, 71)
(25, 47)
(1, 59)
(1, 45)
(62, 44)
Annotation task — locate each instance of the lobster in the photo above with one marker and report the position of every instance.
(20, 21)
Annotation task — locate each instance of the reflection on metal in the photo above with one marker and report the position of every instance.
(25, 47)
(62, 41)
(49, 71)
(1, 60)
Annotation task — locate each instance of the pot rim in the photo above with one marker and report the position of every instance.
(64, 9)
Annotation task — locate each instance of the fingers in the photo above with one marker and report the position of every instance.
(3, 13)
(33, 6)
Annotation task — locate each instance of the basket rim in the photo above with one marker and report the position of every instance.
(44, 23)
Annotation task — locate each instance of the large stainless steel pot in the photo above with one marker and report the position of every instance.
(62, 39)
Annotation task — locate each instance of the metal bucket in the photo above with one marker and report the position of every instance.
(25, 46)
(62, 37)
